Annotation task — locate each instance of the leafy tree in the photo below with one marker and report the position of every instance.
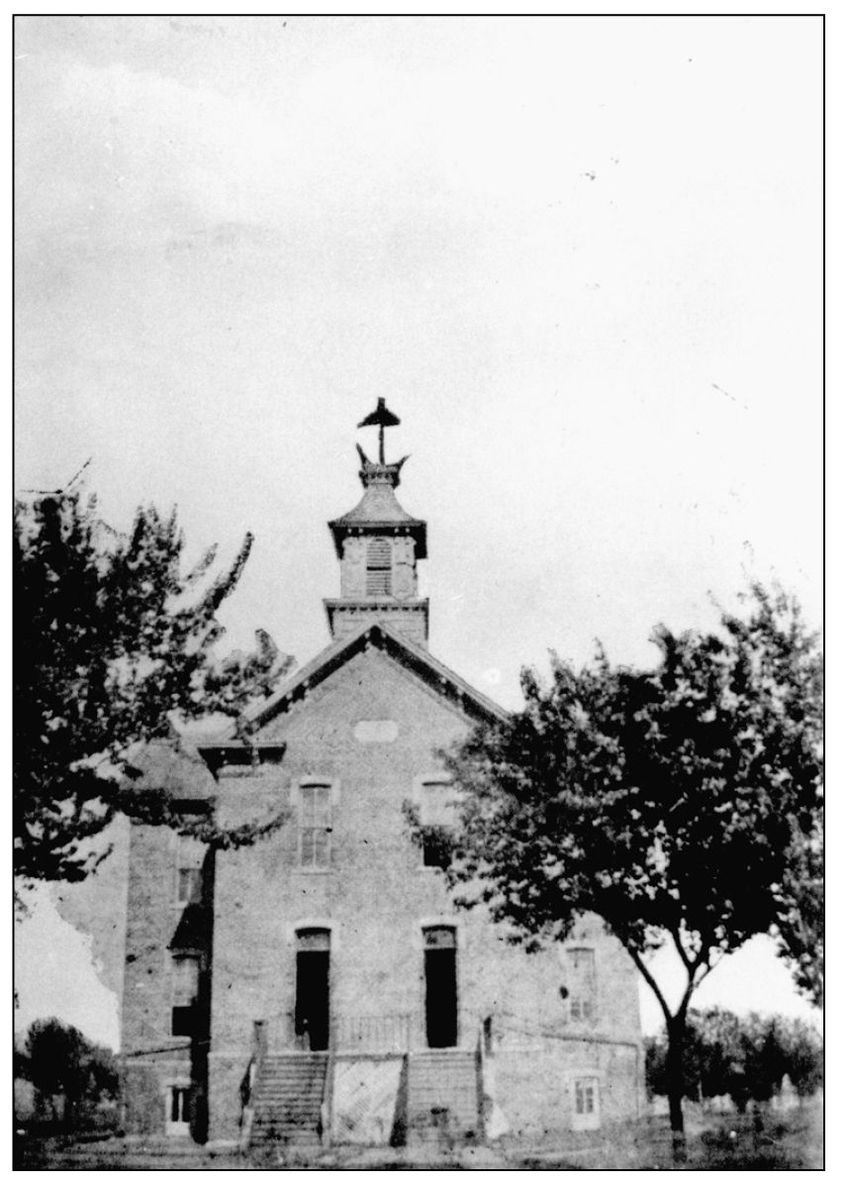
(800, 924)
(672, 802)
(61, 1061)
(722, 1054)
(656, 1065)
(114, 643)
(804, 1057)
(744, 1058)
(20, 1059)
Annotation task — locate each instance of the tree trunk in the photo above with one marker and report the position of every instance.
(675, 1091)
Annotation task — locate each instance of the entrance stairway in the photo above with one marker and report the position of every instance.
(287, 1099)
(442, 1096)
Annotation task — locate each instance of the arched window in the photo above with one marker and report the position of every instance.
(379, 567)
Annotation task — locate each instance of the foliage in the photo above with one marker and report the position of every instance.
(800, 922)
(744, 1058)
(657, 1078)
(114, 644)
(60, 1060)
(673, 803)
(805, 1059)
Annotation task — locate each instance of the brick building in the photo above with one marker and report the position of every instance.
(319, 984)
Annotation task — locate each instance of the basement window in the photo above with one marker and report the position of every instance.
(177, 1107)
(586, 1112)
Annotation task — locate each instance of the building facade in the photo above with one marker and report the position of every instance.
(319, 985)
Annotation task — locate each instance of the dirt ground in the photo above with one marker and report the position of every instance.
(791, 1140)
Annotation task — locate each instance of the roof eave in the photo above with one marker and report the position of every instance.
(341, 529)
(471, 700)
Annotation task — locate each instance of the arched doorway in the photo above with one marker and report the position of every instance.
(440, 969)
(312, 988)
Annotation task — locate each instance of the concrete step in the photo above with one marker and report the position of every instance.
(294, 1087)
(442, 1095)
(287, 1099)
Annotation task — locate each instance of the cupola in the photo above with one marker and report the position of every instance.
(379, 545)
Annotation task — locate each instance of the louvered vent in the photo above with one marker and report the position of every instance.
(379, 567)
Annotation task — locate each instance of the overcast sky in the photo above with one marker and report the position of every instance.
(579, 257)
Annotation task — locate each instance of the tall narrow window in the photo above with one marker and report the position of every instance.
(190, 855)
(379, 567)
(315, 826)
(185, 979)
(581, 979)
(437, 814)
(189, 883)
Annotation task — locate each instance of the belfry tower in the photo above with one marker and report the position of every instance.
(379, 545)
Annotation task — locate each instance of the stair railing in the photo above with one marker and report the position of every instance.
(369, 1034)
(327, 1092)
(480, 1052)
(249, 1082)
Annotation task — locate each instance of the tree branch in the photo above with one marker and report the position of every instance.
(638, 961)
(689, 962)
(702, 960)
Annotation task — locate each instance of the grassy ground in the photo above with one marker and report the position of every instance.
(787, 1141)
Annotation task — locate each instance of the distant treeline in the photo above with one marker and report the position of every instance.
(744, 1058)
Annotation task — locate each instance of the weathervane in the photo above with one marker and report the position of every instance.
(380, 472)
(380, 418)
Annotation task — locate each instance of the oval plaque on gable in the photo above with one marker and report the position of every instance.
(376, 730)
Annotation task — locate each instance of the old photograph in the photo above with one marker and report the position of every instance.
(418, 592)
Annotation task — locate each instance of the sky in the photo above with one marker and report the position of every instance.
(581, 258)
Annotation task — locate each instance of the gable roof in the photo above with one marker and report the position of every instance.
(384, 637)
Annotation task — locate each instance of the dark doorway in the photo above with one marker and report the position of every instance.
(312, 988)
(441, 986)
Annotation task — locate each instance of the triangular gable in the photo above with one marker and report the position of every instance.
(412, 656)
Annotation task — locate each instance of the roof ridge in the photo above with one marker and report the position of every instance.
(262, 712)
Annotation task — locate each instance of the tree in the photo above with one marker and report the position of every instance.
(114, 644)
(656, 1065)
(724, 1056)
(804, 1054)
(800, 924)
(61, 1061)
(744, 1058)
(670, 802)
